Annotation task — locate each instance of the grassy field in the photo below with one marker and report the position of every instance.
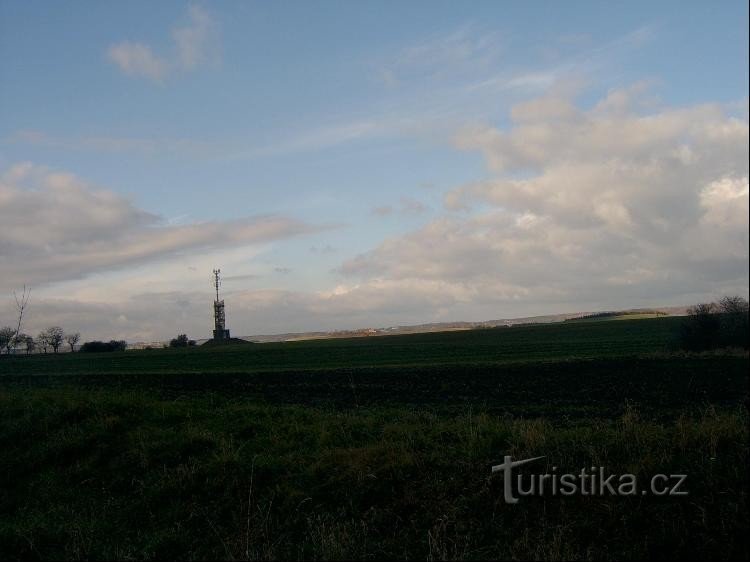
(375, 448)
(519, 344)
(618, 316)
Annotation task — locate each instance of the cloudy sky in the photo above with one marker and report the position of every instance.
(352, 164)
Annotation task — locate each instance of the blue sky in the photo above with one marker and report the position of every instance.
(356, 126)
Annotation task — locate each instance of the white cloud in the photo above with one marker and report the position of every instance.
(56, 227)
(464, 51)
(137, 59)
(725, 202)
(407, 206)
(586, 206)
(194, 43)
(194, 40)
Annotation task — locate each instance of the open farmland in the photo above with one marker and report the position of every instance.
(373, 448)
(518, 344)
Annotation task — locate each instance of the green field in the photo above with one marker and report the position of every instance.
(520, 344)
(374, 448)
(618, 316)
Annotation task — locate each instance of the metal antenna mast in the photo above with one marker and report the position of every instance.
(217, 282)
(220, 331)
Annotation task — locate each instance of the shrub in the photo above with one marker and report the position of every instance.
(711, 325)
(734, 322)
(100, 346)
(181, 341)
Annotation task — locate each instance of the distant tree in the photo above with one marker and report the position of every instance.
(42, 340)
(700, 330)
(118, 345)
(95, 346)
(55, 337)
(734, 305)
(734, 322)
(72, 340)
(712, 325)
(27, 341)
(7, 335)
(180, 341)
(100, 346)
(21, 304)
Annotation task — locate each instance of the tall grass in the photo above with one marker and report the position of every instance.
(123, 474)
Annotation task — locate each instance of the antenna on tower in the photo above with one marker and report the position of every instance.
(217, 281)
(220, 331)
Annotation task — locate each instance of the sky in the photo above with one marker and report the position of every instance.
(367, 164)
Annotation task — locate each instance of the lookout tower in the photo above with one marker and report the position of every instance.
(220, 332)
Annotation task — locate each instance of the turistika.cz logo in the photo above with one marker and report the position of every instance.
(590, 481)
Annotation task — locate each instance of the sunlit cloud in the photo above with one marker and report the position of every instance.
(57, 227)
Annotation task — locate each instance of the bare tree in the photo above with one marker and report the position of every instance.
(42, 340)
(27, 341)
(55, 336)
(6, 338)
(21, 304)
(734, 322)
(712, 325)
(733, 305)
(701, 328)
(72, 340)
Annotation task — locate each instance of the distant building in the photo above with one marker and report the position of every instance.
(147, 345)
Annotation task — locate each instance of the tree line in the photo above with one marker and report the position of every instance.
(51, 339)
(715, 325)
